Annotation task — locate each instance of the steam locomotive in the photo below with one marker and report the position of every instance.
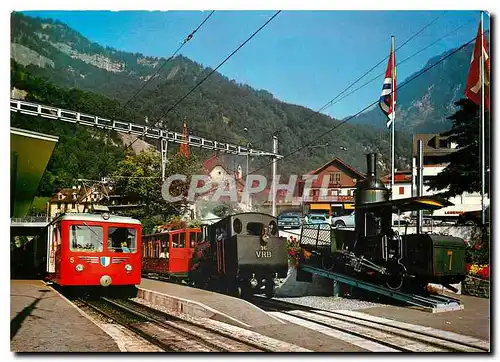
(242, 255)
(376, 252)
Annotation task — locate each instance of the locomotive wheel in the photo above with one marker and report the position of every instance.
(269, 290)
(327, 262)
(396, 279)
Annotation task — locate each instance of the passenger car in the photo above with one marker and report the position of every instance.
(289, 220)
(316, 219)
(348, 220)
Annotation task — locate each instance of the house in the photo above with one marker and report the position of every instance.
(332, 191)
(435, 150)
(216, 167)
(402, 183)
(83, 199)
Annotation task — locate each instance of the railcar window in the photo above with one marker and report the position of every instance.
(182, 240)
(175, 240)
(85, 238)
(122, 240)
(255, 228)
(237, 226)
(192, 239)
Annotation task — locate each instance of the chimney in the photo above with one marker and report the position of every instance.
(371, 164)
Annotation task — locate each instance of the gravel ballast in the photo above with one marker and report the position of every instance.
(331, 303)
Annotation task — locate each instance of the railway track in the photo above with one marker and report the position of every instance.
(169, 333)
(370, 332)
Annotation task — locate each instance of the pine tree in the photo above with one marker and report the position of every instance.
(463, 172)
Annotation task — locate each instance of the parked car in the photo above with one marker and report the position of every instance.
(317, 219)
(343, 221)
(288, 220)
(349, 220)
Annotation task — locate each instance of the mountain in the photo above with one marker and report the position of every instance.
(219, 109)
(425, 103)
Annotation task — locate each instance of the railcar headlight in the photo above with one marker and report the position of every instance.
(79, 268)
(128, 268)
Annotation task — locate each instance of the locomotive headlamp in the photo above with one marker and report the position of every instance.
(79, 268)
(276, 280)
(254, 282)
(105, 216)
(128, 268)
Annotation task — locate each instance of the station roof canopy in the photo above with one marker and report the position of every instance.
(410, 204)
(30, 152)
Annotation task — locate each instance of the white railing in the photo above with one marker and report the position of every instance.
(29, 219)
(35, 109)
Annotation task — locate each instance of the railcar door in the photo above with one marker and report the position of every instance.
(179, 252)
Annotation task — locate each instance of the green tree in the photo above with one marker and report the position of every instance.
(463, 171)
(139, 177)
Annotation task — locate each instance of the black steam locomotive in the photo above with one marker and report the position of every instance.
(378, 253)
(242, 255)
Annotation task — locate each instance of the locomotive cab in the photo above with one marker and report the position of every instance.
(247, 254)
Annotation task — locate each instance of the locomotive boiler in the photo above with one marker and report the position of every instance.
(375, 251)
(243, 255)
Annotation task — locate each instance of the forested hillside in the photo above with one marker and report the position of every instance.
(81, 152)
(220, 108)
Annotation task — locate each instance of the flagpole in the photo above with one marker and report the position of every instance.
(393, 111)
(482, 122)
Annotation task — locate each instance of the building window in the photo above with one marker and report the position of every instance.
(334, 177)
(73, 206)
(401, 190)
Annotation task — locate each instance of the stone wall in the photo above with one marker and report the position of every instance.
(476, 287)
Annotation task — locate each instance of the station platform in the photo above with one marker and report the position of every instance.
(204, 303)
(43, 321)
(474, 320)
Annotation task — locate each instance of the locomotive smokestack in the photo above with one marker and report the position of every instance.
(371, 164)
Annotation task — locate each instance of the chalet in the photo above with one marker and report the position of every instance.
(81, 199)
(332, 191)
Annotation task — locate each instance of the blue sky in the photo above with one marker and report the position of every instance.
(302, 57)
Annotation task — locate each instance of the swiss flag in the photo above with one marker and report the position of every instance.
(473, 89)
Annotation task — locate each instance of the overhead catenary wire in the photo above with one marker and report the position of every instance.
(332, 101)
(403, 61)
(210, 73)
(188, 38)
(418, 74)
(158, 70)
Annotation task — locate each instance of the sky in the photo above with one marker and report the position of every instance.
(301, 57)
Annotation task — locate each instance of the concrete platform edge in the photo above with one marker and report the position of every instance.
(87, 316)
(193, 308)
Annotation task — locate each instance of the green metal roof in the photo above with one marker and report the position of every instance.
(29, 154)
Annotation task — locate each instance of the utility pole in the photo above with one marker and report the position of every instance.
(164, 148)
(273, 186)
(420, 181)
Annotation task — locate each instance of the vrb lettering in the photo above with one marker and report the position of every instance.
(263, 253)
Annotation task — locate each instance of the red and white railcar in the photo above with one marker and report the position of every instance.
(94, 250)
(169, 253)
